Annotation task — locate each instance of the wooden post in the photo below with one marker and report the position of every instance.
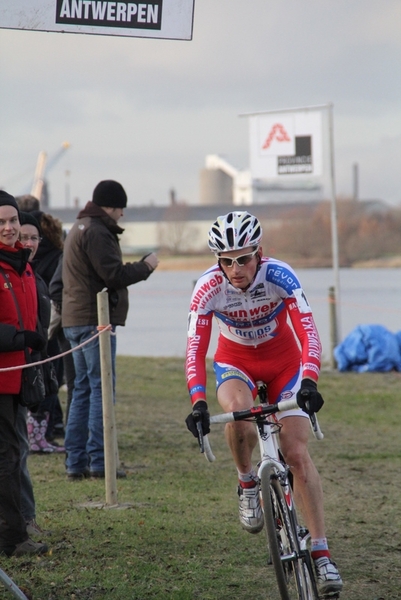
(333, 326)
(109, 425)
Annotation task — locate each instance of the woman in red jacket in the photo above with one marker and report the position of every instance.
(17, 274)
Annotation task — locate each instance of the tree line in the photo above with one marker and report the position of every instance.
(364, 233)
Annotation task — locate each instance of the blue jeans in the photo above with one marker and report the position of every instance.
(84, 432)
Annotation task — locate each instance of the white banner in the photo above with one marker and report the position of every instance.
(286, 145)
(165, 19)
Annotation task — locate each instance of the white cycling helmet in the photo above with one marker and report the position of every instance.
(234, 231)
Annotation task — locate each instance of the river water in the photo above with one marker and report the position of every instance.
(157, 319)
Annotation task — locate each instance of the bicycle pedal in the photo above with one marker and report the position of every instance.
(303, 532)
(333, 596)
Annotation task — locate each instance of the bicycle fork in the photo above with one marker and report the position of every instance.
(271, 466)
(265, 470)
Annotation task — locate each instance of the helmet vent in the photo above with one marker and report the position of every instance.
(256, 234)
(230, 236)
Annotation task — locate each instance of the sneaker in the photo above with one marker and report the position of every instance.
(250, 511)
(33, 529)
(29, 547)
(327, 576)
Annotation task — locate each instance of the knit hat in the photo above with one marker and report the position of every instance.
(27, 218)
(8, 200)
(109, 193)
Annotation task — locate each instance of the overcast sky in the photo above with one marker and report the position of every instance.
(147, 112)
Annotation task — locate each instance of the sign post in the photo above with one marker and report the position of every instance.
(296, 146)
(334, 234)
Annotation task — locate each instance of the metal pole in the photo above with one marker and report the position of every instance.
(333, 326)
(334, 230)
(355, 171)
(11, 586)
(109, 426)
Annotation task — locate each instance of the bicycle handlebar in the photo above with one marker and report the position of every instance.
(314, 423)
(256, 411)
(208, 449)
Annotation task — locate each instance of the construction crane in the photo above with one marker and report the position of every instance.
(42, 167)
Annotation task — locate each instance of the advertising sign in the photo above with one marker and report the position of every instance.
(165, 19)
(286, 145)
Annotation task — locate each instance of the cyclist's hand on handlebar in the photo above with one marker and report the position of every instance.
(199, 414)
(308, 398)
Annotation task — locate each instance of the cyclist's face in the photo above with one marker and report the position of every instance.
(241, 276)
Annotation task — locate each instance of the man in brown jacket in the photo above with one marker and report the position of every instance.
(92, 261)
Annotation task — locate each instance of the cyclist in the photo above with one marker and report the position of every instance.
(267, 333)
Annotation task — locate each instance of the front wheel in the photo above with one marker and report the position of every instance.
(292, 566)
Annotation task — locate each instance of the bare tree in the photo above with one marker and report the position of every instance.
(175, 233)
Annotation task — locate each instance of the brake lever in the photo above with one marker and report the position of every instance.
(197, 416)
(200, 437)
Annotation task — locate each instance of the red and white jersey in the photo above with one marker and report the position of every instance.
(256, 318)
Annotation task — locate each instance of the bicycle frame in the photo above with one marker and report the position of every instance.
(286, 539)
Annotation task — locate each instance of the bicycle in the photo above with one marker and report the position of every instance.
(288, 541)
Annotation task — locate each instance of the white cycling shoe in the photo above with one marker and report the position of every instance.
(327, 576)
(250, 511)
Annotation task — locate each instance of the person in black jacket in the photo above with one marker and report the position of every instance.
(92, 261)
(48, 255)
(37, 422)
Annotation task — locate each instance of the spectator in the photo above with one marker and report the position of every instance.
(30, 238)
(49, 255)
(92, 261)
(47, 258)
(37, 422)
(27, 203)
(17, 275)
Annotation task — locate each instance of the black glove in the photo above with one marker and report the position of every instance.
(308, 398)
(34, 340)
(200, 414)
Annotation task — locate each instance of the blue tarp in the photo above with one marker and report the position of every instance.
(369, 348)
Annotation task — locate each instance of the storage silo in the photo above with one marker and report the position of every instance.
(216, 187)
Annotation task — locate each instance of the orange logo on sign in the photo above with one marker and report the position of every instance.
(277, 133)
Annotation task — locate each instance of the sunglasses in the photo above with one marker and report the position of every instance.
(241, 261)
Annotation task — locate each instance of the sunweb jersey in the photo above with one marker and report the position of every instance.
(272, 311)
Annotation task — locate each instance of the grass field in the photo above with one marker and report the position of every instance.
(175, 533)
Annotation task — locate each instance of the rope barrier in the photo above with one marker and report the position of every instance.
(101, 329)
